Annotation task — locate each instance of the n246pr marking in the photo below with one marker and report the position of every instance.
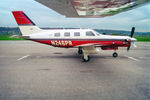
(61, 43)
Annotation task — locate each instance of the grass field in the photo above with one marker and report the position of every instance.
(139, 39)
(143, 39)
(7, 37)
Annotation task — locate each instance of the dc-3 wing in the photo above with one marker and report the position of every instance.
(91, 8)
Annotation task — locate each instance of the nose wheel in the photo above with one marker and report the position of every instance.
(115, 55)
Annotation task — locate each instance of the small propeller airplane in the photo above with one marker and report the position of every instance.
(87, 41)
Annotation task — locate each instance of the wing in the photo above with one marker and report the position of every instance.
(90, 49)
(91, 8)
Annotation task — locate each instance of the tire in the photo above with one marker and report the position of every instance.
(115, 55)
(86, 60)
(80, 51)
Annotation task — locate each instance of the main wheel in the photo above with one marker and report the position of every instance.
(86, 60)
(115, 55)
(80, 51)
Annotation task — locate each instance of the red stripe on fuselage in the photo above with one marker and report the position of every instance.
(77, 43)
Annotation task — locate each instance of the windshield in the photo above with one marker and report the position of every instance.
(97, 33)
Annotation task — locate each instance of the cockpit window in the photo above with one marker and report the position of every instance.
(97, 33)
(90, 33)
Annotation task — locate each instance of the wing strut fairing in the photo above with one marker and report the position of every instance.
(91, 8)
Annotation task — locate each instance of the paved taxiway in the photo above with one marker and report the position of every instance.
(33, 71)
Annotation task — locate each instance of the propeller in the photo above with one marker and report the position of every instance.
(128, 48)
(132, 32)
(131, 35)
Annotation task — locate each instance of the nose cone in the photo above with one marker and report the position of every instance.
(133, 39)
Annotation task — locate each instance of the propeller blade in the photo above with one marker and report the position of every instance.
(131, 35)
(132, 32)
(129, 46)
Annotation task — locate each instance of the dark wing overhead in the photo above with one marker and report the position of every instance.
(63, 7)
(91, 8)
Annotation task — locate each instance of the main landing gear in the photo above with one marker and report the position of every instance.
(80, 51)
(115, 54)
(86, 59)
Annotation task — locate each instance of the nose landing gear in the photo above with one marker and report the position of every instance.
(115, 54)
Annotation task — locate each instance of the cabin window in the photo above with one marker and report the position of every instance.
(76, 33)
(67, 34)
(57, 34)
(90, 33)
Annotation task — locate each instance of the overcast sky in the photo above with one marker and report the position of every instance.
(45, 17)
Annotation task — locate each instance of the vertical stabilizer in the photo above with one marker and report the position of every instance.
(26, 26)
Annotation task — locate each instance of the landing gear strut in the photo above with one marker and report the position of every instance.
(115, 55)
(86, 59)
